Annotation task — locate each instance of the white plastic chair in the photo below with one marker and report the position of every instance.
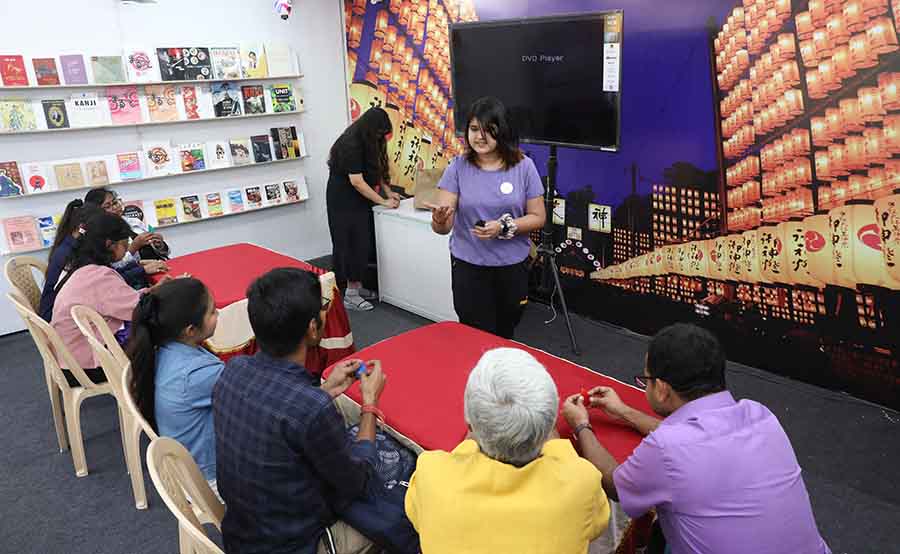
(233, 331)
(19, 272)
(177, 477)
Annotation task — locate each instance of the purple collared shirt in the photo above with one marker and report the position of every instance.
(723, 477)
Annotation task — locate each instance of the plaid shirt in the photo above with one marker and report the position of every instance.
(285, 464)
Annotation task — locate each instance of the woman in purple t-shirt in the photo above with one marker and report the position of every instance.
(490, 199)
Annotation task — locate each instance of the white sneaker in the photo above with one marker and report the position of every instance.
(368, 294)
(357, 303)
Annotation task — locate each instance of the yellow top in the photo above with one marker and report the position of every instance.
(465, 502)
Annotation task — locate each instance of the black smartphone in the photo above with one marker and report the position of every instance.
(479, 223)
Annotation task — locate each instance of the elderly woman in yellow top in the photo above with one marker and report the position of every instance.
(514, 486)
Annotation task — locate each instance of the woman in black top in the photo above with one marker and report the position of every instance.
(358, 163)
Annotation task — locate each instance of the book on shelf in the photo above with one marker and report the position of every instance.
(291, 193)
(46, 229)
(226, 62)
(214, 206)
(184, 63)
(45, 71)
(262, 151)
(273, 194)
(129, 164)
(197, 101)
(302, 188)
(254, 197)
(192, 157)
(283, 98)
(235, 201)
(134, 210)
(68, 174)
(36, 178)
(159, 159)
(299, 143)
(285, 143)
(124, 105)
(171, 64)
(226, 100)
(254, 99)
(166, 211)
(74, 71)
(12, 70)
(253, 60)
(85, 110)
(217, 154)
(55, 114)
(241, 151)
(97, 172)
(142, 65)
(107, 70)
(162, 102)
(280, 59)
(190, 208)
(21, 234)
(10, 180)
(16, 115)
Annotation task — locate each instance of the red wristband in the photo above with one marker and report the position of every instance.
(369, 409)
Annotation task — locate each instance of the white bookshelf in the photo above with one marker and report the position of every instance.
(104, 85)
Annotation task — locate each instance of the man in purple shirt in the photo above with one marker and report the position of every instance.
(721, 474)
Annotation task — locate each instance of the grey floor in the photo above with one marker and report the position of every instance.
(849, 450)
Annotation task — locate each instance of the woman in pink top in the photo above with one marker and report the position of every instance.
(90, 281)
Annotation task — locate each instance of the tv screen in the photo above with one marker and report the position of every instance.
(558, 76)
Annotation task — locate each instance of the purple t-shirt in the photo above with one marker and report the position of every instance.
(487, 195)
(723, 477)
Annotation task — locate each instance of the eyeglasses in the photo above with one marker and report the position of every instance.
(114, 202)
(643, 380)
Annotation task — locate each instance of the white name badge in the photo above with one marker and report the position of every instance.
(506, 188)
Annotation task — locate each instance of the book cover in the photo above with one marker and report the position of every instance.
(55, 113)
(253, 60)
(197, 101)
(217, 154)
(214, 205)
(12, 71)
(291, 193)
(166, 211)
(273, 194)
(16, 115)
(85, 110)
(124, 105)
(283, 98)
(254, 100)
(226, 62)
(107, 70)
(161, 102)
(73, 69)
(299, 143)
(134, 209)
(69, 175)
(262, 152)
(45, 71)
(21, 234)
(226, 100)
(97, 173)
(241, 151)
(302, 188)
(254, 197)
(279, 58)
(190, 208)
(36, 178)
(184, 64)
(279, 146)
(10, 180)
(159, 160)
(46, 230)
(235, 201)
(141, 65)
(129, 166)
(192, 157)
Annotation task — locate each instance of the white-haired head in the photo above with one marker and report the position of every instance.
(511, 404)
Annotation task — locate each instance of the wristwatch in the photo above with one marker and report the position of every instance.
(579, 428)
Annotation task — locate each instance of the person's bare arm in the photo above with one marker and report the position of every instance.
(443, 212)
(362, 187)
(608, 400)
(576, 414)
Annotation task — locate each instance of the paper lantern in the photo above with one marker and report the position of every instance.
(824, 197)
(817, 241)
(887, 217)
(891, 135)
(857, 185)
(815, 85)
(796, 261)
(877, 185)
(804, 25)
(381, 24)
(390, 38)
(376, 54)
(698, 258)
(718, 258)
(793, 99)
(359, 7)
(828, 75)
(876, 151)
(354, 32)
(873, 8)
(861, 55)
(818, 12)
(752, 273)
(819, 130)
(734, 250)
(772, 255)
(837, 30)
(823, 44)
(854, 16)
(841, 62)
(802, 172)
(855, 153)
(881, 36)
(889, 90)
(823, 165)
(870, 107)
(808, 53)
(836, 128)
(837, 156)
(855, 224)
(850, 115)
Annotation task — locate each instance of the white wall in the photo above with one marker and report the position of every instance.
(314, 31)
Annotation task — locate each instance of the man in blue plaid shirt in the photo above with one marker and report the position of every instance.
(286, 467)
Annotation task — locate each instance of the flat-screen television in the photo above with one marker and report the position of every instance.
(559, 76)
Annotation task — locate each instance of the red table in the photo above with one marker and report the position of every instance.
(229, 270)
(427, 371)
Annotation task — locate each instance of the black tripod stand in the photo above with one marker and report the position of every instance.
(549, 283)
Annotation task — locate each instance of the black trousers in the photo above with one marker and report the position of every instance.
(352, 242)
(490, 298)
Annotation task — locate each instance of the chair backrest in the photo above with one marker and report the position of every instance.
(19, 272)
(131, 405)
(104, 344)
(53, 350)
(233, 331)
(177, 477)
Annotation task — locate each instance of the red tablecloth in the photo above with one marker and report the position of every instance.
(427, 371)
(229, 270)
